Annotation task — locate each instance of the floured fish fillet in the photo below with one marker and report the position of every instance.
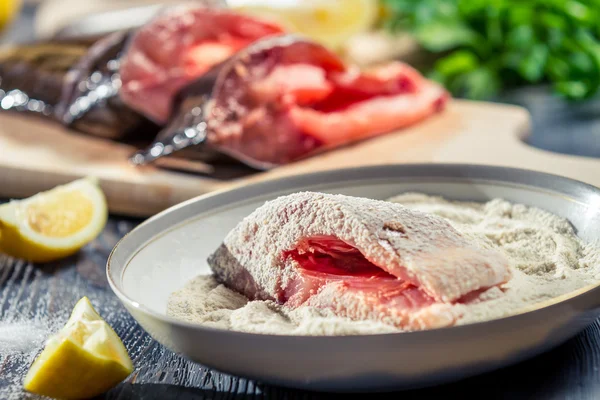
(364, 259)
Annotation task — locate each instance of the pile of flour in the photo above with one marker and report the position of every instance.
(547, 260)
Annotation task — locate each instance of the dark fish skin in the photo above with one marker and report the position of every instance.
(73, 82)
(36, 71)
(90, 100)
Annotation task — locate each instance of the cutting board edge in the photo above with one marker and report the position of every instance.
(33, 181)
(139, 194)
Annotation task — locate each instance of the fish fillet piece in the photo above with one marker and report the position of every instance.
(179, 46)
(361, 258)
(282, 100)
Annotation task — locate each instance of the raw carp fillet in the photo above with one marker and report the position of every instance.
(284, 100)
(179, 46)
(363, 259)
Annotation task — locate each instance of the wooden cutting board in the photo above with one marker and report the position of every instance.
(36, 155)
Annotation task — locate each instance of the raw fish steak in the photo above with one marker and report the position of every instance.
(282, 102)
(179, 46)
(360, 258)
(284, 98)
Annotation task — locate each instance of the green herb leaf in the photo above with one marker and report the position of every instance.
(578, 11)
(459, 62)
(557, 68)
(443, 35)
(487, 45)
(479, 84)
(532, 66)
(572, 90)
(522, 37)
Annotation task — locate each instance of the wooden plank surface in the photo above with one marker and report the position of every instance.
(36, 155)
(45, 295)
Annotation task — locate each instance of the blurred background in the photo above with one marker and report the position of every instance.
(543, 55)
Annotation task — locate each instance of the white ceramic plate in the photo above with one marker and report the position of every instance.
(163, 253)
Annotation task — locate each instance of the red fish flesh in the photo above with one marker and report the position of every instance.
(285, 98)
(177, 47)
(363, 259)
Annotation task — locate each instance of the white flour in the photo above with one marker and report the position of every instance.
(547, 259)
(21, 339)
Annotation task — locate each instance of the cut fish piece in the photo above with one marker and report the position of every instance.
(179, 46)
(284, 98)
(287, 100)
(361, 258)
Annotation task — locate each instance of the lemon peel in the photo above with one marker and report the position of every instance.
(84, 359)
(53, 224)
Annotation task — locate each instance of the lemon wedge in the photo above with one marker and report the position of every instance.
(8, 11)
(84, 359)
(53, 224)
(330, 22)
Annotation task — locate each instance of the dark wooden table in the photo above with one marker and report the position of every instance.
(46, 294)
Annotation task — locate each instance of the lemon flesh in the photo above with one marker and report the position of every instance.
(329, 22)
(84, 359)
(53, 224)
